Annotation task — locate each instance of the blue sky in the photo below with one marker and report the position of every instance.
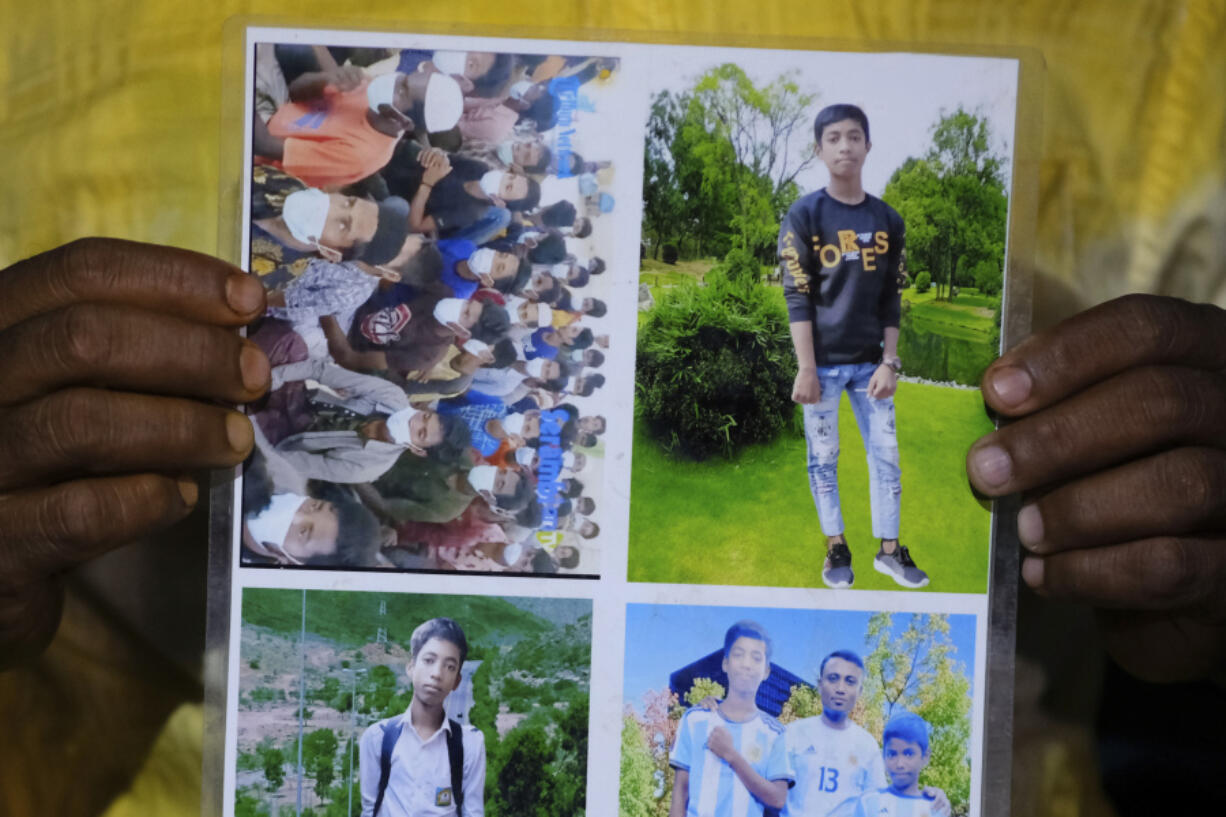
(665, 637)
(902, 94)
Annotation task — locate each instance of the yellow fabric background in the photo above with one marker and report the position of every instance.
(109, 125)
(109, 113)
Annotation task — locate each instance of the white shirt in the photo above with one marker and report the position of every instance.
(419, 784)
(829, 766)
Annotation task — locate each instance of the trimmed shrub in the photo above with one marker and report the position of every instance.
(923, 282)
(715, 367)
(739, 267)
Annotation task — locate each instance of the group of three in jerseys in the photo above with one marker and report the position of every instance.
(730, 758)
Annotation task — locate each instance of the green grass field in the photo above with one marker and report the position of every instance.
(751, 520)
(969, 317)
(658, 274)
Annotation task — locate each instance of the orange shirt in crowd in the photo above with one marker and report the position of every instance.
(328, 142)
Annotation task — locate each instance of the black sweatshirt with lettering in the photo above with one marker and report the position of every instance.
(842, 270)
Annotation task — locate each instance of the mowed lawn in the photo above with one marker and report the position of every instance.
(751, 520)
(968, 317)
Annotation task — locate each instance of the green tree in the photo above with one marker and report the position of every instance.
(702, 689)
(915, 671)
(522, 787)
(721, 161)
(319, 758)
(273, 761)
(923, 282)
(766, 128)
(987, 277)
(661, 717)
(715, 368)
(804, 701)
(246, 804)
(954, 203)
(636, 794)
(665, 208)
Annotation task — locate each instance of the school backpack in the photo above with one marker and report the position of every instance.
(455, 757)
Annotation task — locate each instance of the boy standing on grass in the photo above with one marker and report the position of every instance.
(841, 252)
(729, 759)
(422, 763)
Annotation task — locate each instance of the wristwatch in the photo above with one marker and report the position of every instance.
(894, 363)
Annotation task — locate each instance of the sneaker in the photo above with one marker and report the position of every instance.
(836, 572)
(900, 567)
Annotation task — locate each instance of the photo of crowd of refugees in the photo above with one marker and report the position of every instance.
(747, 711)
(432, 238)
(359, 703)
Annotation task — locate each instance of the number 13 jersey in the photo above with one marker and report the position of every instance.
(829, 766)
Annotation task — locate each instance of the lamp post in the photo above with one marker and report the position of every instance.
(301, 698)
(353, 731)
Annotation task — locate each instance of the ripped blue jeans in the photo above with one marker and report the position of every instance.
(876, 421)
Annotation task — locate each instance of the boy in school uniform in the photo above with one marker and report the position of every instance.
(422, 763)
(841, 255)
(728, 759)
(904, 747)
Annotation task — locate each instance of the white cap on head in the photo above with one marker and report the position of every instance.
(398, 425)
(305, 212)
(444, 103)
(382, 90)
(481, 478)
(520, 88)
(450, 62)
(448, 310)
(536, 367)
(544, 315)
(513, 423)
(474, 346)
(505, 151)
(511, 553)
(524, 456)
(272, 524)
(482, 261)
(491, 182)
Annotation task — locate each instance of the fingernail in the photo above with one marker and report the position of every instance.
(1011, 385)
(189, 491)
(238, 431)
(992, 465)
(1032, 572)
(1030, 526)
(244, 293)
(254, 366)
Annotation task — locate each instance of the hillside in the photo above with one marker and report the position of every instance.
(353, 619)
